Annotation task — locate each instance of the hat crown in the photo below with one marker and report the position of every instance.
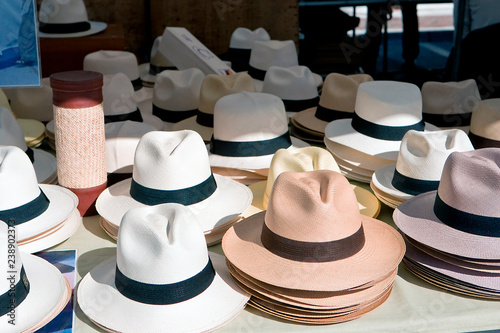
(389, 103)
(171, 160)
(290, 83)
(265, 54)
(62, 11)
(449, 97)
(110, 62)
(244, 38)
(485, 119)
(17, 178)
(469, 178)
(178, 90)
(118, 95)
(11, 133)
(33, 102)
(422, 154)
(315, 206)
(157, 57)
(215, 86)
(161, 244)
(249, 116)
(9, 258)
(339, 91)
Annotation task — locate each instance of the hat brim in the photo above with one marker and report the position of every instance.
(95, 27)
(308, 120)
(229, 201)
(49, 293)
(45, 165)
(219, 303)
(382, 179)
(251, 162)
(191, 124)
(342, 132)
(146, 78)
(32, 129)
(416, 218)
(62, 203)
(144, 99)
(383, 250)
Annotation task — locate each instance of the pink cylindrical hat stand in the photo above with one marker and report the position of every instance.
(79, 135)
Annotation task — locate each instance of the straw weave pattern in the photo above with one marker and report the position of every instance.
(80, 141)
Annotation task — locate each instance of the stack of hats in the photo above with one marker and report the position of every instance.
(44, 215)
(419, 166)
(485, 124)
(337, 100)
(452, 234)
(158, 63)
(33, 130)
(384, 112)
(312, 257)
(162, 279)
(248, 129)
(173, 167)
(301, 160)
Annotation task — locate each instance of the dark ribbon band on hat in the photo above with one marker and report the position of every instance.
(205, 119)
(328, 115)
(132, 116)
(26, 212)
(448, 120)
(300, 104)
(172, 116)
(16, 294)
(154, 70)
(243, 54)
(413, 186)
(482, 142)
(312, 251)
(162, 294)
(467, 222)
(256, 73)
(31, 154)
(64, 28)
(249, 148)
(137, 83)
(383, 132)
(186, 196)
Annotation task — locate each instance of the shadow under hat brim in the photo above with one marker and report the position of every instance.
(381, 254)
(229, 200)
(251, 162)
(191, 124)
(95, 27)
(342, 132)
(367, 202)
(382, 179)
(416, 218)
(215, 306)
(49, 293)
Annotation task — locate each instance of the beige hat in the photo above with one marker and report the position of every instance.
(485, 124)
(449, 104)
(33, 102)
(158, 63)
(214, 87)
(338, 97)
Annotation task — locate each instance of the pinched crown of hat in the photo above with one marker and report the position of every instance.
(112, 62)
(339, 91)
(62, 11)
(265, 54)
(157, 57)
(118, 99)
(485, 124)
(33, 102)
(244, 38)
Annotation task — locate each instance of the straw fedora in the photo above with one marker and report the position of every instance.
(33, 102)
(337, 100)
(240, 46)
(32, 291)
(312, 237)
(384, 112)
(34, 208)
(68, 18)
(463, 210)
(158, 63)
(485, 124)
(174, 167)
(449, 104)
(162, 278)
(176, 95)
(12, 135)
(213, 87)
(420, 162)
(267, 53)
(302, 160)
(294, 85)
(248, 129)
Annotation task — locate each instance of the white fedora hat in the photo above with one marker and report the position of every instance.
(449, 104)
(240, 46)
(33, 102)
(34, 208)
(269, 53)
(158, 63)
(420, 162)
(213, 87)
(176, 95)
(32, 291)
(384, 112)
(294, 85)
(66, 18)
(174, 167)
(162, 279)
(248, 129)
(11, 135)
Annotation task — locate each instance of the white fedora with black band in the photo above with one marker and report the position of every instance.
(157, 64)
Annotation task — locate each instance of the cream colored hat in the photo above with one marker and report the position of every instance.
(214, 87)
(33, 102)
(449, 104)
(485, 124)
(158, 63)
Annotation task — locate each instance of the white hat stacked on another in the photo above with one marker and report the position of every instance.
(158, 63)
(240, 46)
